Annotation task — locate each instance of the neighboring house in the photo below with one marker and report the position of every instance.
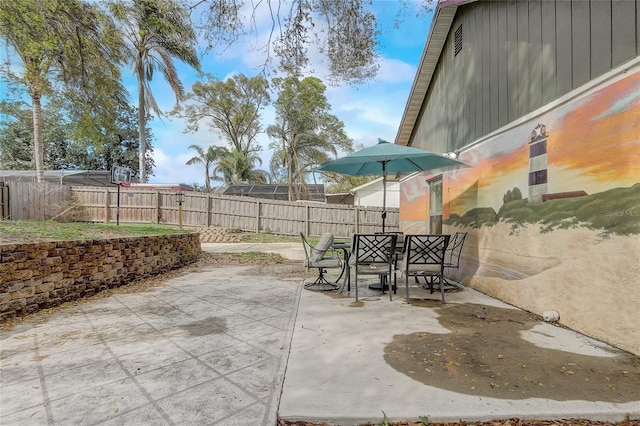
(60, 177)
(161, 186)
(343, 198)
(315, 192)
(542, 99)
(371, 194)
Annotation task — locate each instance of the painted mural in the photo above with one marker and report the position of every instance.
(552, 208)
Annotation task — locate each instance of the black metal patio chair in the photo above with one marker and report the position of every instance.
(372, 254)
(316, 257)
(452, 256)
(422, 256)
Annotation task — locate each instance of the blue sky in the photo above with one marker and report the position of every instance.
(370, 111)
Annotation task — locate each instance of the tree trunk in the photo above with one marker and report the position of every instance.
(292, 196)
(207, 179)
(142, 129)
(38, 149)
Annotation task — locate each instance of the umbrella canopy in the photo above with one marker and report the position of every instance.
(384, 158)
(389, 157)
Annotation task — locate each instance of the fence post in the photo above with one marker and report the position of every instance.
(307, 227)
(4, 201)
(357, 220)
(257, 215)
(208, 210)
(158, 210)
(106, 204)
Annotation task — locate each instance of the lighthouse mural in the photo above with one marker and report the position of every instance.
(538, 164)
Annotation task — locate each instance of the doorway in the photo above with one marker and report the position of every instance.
(435, 205)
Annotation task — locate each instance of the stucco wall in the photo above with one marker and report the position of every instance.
(552, 207)
(37, 276)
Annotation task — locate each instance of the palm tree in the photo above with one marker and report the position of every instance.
(236, 167)
(60, 44)
(208, 157)
(305, 132)
(157, 33)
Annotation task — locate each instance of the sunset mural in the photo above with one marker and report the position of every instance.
(604, 132)
(593, 146)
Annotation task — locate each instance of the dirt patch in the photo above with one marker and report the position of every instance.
(485, 355)
(289, 270)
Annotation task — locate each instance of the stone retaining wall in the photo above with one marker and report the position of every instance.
(41, 275)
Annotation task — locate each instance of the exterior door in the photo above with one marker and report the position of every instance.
(435, 205)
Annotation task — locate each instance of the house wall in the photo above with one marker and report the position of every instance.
(573, 247)
(371, 195)
(552, 207)
(517, 56)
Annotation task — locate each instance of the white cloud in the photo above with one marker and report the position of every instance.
(172, 169)
(395, 71)
(370, 111)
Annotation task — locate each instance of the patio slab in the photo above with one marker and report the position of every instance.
(206, 347)
(216, 345)
(341, 369)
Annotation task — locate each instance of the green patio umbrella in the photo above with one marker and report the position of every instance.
(384, 158)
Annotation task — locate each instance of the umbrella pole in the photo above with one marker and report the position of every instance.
(384, 193)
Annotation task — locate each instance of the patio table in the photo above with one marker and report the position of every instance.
(345, 274)
(383, 285)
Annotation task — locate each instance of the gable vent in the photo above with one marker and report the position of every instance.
(458, 41)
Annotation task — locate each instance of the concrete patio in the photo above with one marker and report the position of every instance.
(225, 345)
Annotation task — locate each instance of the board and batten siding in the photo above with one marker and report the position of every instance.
(517, 56)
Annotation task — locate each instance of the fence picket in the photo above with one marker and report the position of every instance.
(30, 201)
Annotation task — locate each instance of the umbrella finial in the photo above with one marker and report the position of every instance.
(380, 140)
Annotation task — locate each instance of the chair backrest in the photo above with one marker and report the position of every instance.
(399, 237)
(323, 245)
(454, 250)
(315, 254)
(425, 249)
(372, 248)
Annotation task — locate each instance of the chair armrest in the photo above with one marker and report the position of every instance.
(332, 252)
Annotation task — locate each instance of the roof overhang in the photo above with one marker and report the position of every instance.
(440, 26)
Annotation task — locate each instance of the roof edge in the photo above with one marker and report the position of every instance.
(442, 18)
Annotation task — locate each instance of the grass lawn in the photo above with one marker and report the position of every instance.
(31, 231)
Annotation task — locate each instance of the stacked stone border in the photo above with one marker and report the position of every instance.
(42, 275)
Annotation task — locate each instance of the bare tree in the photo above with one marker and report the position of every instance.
(344, 31)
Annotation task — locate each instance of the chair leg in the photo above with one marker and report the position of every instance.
(321, 283)
(428, 281)
(442, 287)
(406, 285)
(321, 278)
(394, 284)
(356, 283)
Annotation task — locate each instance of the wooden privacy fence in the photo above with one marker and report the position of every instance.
(243, 213)
(4, 201)
(34, 201)
(30, 201)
